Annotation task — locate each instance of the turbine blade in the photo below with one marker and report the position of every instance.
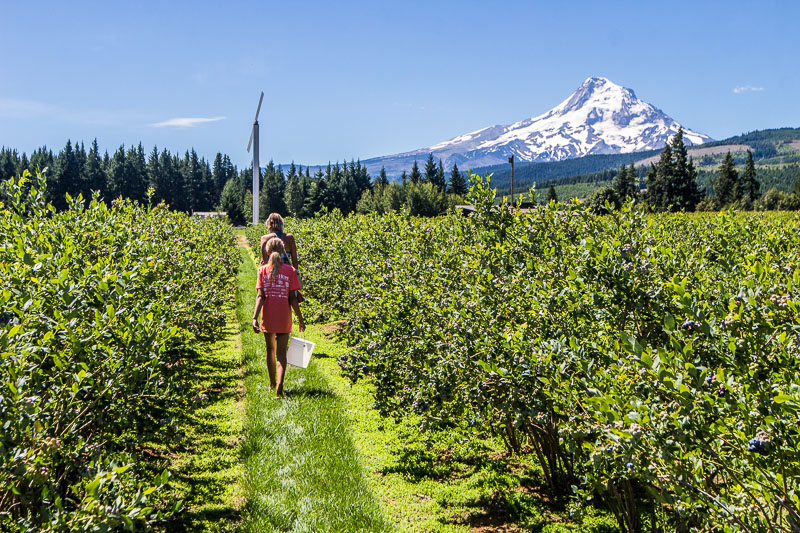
(250, 142)
(259, 106)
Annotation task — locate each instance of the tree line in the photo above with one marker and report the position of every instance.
(672, 185)
(348, 188)
(190, 183)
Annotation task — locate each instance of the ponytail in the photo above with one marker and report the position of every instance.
(275, 251)
(274, 264)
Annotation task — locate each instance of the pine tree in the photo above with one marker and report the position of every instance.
(154, 173)
(168, 183)
(219, 174)
(551, 195)
(350, 190)
(317, 194)
(625, 184)
(208, 197)
(415, 176)
(458, 185)
(430, 170)
(42, 162)
(231, 201)
(80, 159)
(192, 179)
(273, 189)
(439, 180)
(65, 179)
(305, 190)
(750, 184)
(116, 172)
(94, 175)
(727, 187)
(293, 195)
(23, 165)
(134, 184)
(687, 193)
(9, 162)
(672, 182)
(382, 179)
(361, 177)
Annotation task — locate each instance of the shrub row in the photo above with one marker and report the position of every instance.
(647, 361)
(100, 307)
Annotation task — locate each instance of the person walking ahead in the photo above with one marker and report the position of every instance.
(275, 226)
(277, 286)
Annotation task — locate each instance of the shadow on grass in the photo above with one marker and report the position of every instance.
(507, 493)
(203, 519)
(417, 463)
(203, 459)
(321, 355)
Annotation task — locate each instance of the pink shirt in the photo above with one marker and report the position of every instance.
(276, 313)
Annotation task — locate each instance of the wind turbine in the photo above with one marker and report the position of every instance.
(256, 167)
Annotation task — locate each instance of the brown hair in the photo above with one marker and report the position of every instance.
(275, 251)
(275, 223)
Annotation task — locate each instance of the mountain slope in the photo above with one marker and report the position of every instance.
(600, 117)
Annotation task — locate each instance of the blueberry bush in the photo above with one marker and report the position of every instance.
(100, 307)
(646, 362)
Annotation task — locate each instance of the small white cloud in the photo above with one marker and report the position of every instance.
(186, 122)
(746, 88)
(25, 109)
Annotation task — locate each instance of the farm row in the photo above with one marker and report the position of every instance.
(101, 308)
(648, 363)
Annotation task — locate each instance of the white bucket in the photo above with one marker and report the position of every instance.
(299, 353)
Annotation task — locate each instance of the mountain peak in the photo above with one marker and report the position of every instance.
(597, 92)
(600, 117)
(596, 80)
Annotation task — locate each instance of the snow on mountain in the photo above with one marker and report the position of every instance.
(600, 117)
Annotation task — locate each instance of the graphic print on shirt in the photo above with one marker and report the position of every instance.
(276, 288)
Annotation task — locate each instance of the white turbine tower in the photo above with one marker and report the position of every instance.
(256, 167)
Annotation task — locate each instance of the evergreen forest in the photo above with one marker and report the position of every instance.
(766, 177)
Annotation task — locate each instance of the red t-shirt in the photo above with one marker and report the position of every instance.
(276, 313)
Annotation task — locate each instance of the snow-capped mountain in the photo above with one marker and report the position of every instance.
(600, 117)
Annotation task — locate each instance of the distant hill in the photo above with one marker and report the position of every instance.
(527, 173)
(771, 148)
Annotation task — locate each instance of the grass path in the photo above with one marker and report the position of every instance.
(301, 469)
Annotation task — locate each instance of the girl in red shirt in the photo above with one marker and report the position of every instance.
(277, 286)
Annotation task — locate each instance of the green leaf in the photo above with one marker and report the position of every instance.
(781, 398)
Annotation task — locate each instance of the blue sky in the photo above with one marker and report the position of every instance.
(363, 79)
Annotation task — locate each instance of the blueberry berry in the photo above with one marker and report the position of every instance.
(690, 326)
(759, 443)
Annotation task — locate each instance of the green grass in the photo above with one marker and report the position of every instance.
(205, 466)
(439, 483)
(301, 470)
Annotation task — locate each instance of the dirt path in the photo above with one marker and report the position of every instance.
(241, 240)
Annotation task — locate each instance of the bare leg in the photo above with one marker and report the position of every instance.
(282, 343)
(269, 338)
